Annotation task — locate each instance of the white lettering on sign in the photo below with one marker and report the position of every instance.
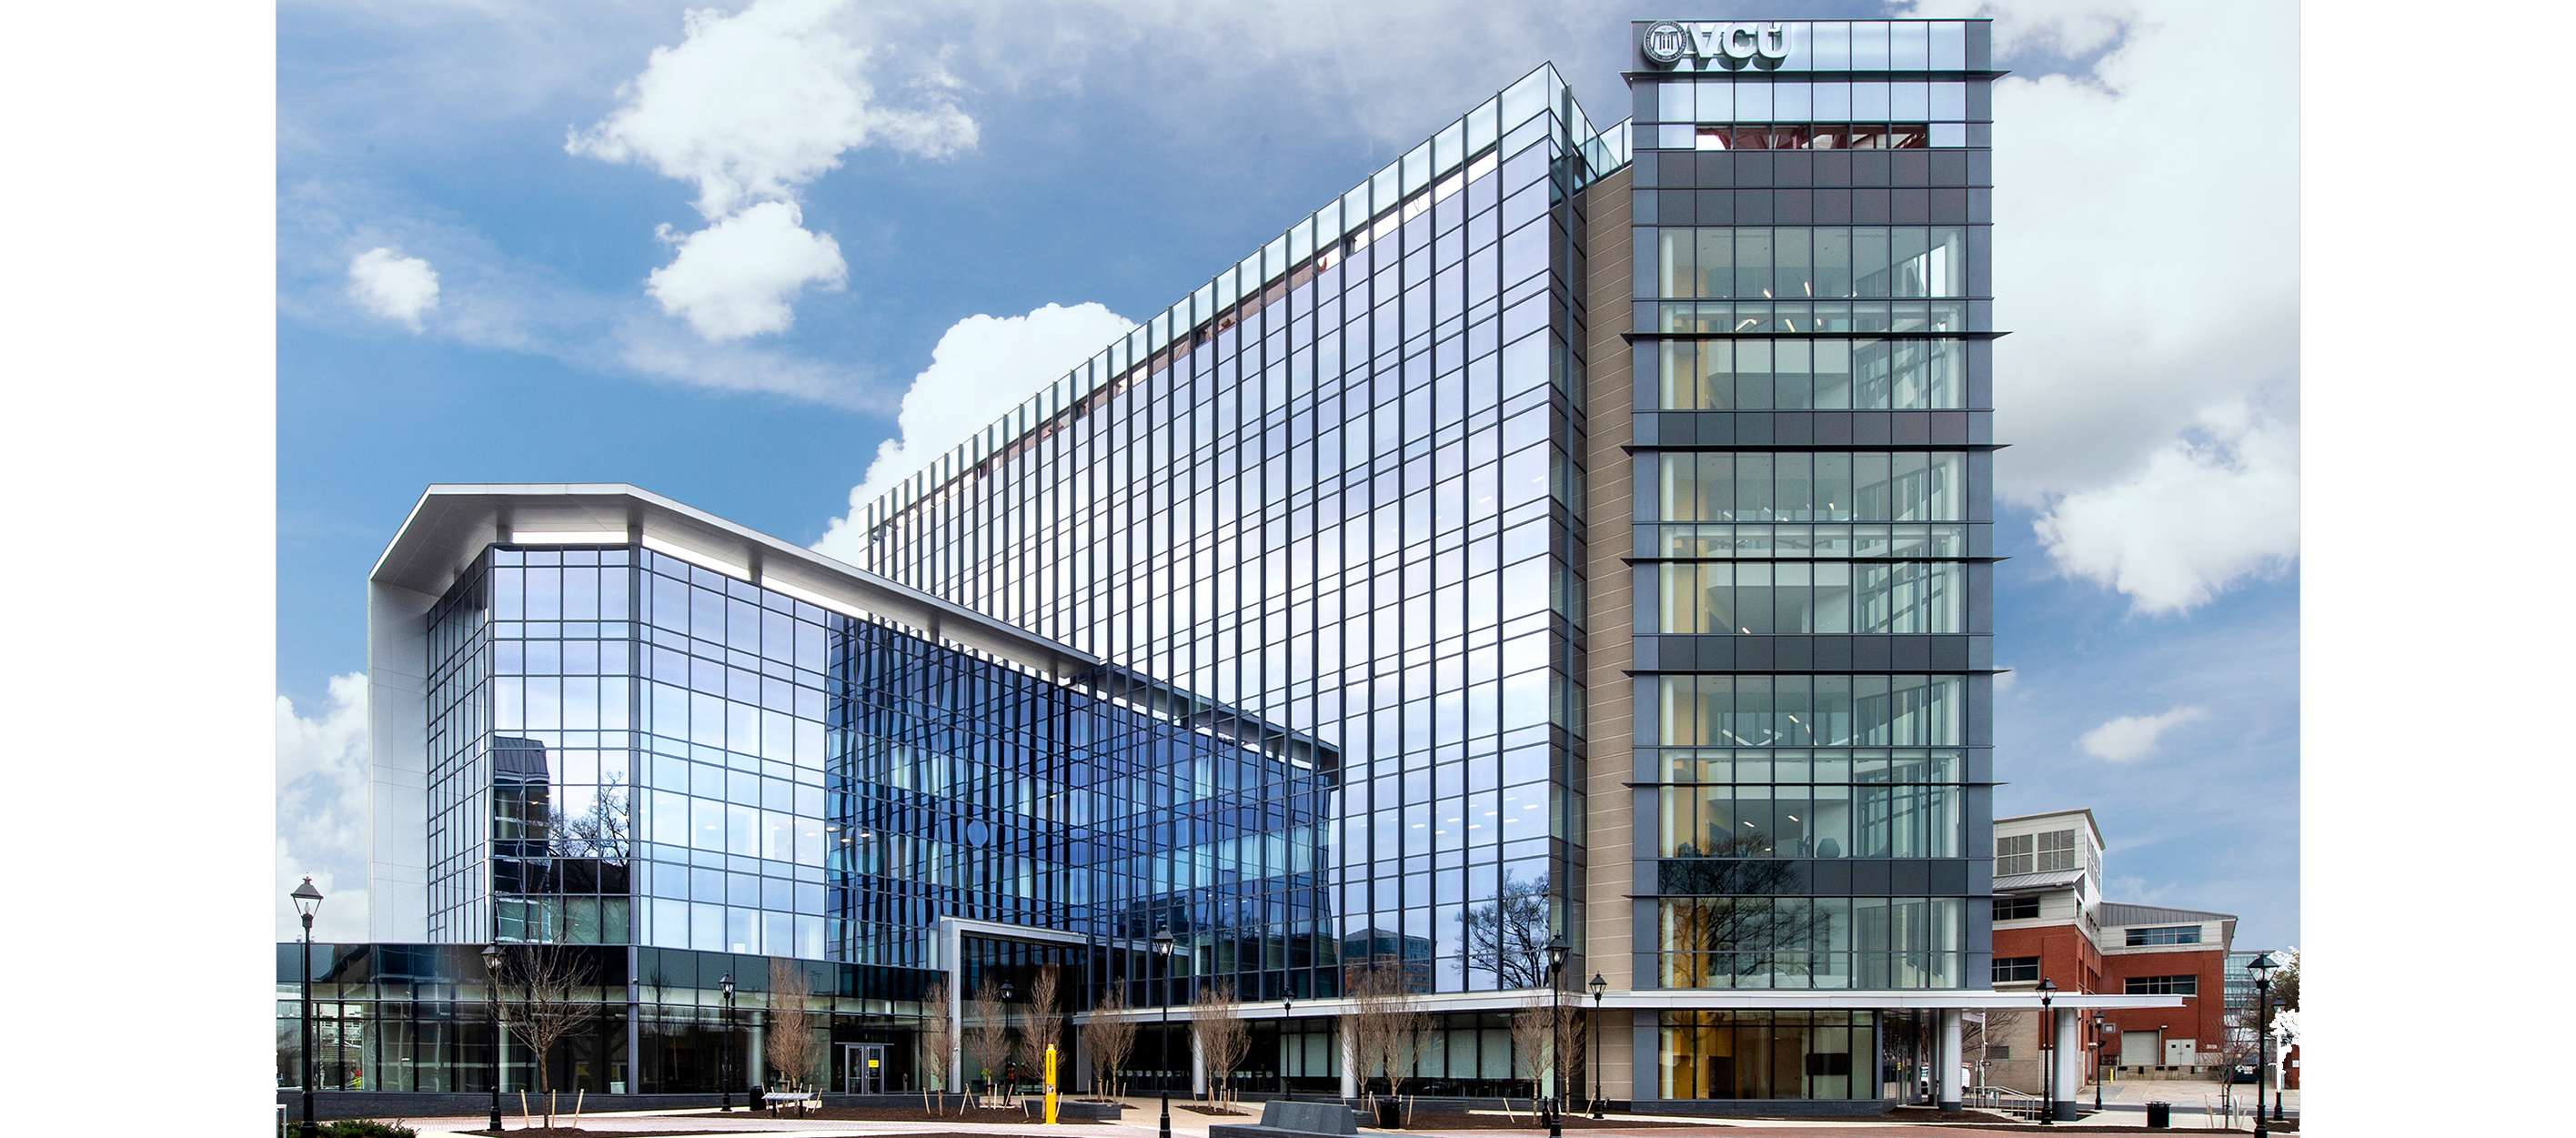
(1667, 42)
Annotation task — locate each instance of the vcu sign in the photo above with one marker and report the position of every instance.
(1667, 43)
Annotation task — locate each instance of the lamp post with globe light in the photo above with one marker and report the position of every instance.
(724, 1050)
(308, 901)
(2101, 1024)
(1556, 1034)
(2261, 966)
(1163, 957)
(1598, 985)
(1286, 1005)
(1010, 1070)
(492, 1001)
(2048, 1036)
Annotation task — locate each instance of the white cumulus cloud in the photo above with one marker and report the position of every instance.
(2146, 263)
(750, 107)
(2131, 736)
(733, 279)
(983, 367)
(323, 825)
(2201, 514)
(393, 286)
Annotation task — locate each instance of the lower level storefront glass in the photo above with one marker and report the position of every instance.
(1766, 1054)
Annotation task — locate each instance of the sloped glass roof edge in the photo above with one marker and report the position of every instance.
(1455, 146)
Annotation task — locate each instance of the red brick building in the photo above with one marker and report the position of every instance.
(2051, 923)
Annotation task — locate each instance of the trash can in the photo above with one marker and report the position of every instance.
(2159, 1116)
(1390, 1114)
(755, 1102)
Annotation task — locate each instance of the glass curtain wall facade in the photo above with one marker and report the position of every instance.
(805, 783)
(1340, 486)
(1812, 380)
(1347, 486)
(678, 775)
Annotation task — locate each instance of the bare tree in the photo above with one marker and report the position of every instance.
(991, 1030)
(1387, 1025)
(1108, 1038)
(1572, 1045)
(1216, 1019)
(1979, 1038)
(1509, 934)
(542, 984)
(1530, 1049)
(938, 1037)
(790, 1044)
(1044, 1022)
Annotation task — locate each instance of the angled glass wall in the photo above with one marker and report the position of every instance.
(633, 749)
(1340, 487)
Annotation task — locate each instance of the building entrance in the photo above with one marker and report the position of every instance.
(863, 1068)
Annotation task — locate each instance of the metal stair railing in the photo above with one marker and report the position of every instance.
(2003, 1100)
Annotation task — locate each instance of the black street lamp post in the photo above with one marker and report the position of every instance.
(492, 1002)
(2101, 1023)
(1556, 1034)
(1163, 959)
(724, 1050)
(1286, 1005)
(1598, 985)
(2261, 966)
(308, 901)
(2048, 1037)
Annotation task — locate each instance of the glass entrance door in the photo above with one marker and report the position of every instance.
(863, 1068)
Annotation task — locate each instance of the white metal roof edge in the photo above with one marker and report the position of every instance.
(454, 520)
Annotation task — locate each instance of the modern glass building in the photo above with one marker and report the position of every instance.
(1576, 530)
(1616, 499)
(680, 749)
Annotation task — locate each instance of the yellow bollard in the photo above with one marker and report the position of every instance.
(1050, 1085)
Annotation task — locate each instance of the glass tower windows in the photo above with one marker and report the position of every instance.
(1822, 486)
(1820, 374)
(1363, 526)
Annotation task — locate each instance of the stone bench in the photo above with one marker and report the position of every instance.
(1282, 1119)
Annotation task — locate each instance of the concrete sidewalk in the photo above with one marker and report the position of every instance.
(2124, 1105)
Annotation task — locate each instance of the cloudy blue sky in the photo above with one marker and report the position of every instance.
(743, 255)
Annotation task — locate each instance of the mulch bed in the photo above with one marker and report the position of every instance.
(1217, 1111)
(892, 1114)
(1526, 1121)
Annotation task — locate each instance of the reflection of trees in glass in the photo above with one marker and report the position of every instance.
(600, 831)
(1742, 916)
(1509, 934)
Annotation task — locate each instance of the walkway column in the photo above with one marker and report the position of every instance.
(2070, 1062)
(1350, 1060)
(1951, 1093)
(1198, 1067)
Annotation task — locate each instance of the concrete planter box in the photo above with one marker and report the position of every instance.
(1068, 1108)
